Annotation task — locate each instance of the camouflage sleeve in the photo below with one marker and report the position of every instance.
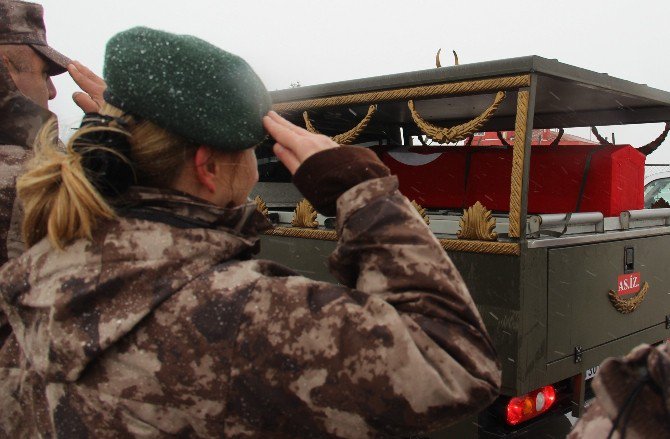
(404, 352)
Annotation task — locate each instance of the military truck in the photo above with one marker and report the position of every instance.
(565, 264)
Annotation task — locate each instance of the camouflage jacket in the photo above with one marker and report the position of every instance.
(167, 326)
(632, 392)
(20, 120)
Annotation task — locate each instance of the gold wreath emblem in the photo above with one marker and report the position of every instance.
(627, 306)
(458, 132)
(346, 138)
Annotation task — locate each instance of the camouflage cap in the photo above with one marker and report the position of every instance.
(23, 23)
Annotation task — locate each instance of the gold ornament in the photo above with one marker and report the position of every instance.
(477, 223)
(348, 137)
(458, 132)
(421, 211)
(261, 206)
(438, 64)
(304, 216)
(627, 306)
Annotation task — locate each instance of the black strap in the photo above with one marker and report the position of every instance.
(580, 194)
(585, 174)
(625, 409)
(566, 222)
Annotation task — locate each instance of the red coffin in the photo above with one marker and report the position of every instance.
(614, 181)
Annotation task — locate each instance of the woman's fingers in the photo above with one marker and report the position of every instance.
(299, 140)
(287, 158)
(286, 124)
(292, 139)
(85, 102)
(280, 133)
(91, 84)
(88, 73)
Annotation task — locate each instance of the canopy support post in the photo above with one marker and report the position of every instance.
(523, 136)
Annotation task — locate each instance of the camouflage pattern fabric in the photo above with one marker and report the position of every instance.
(12, 160)
(636, 390)
(168, 327)
(20, 120)
(23, 23)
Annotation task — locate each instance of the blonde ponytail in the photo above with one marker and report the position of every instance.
(59, 198)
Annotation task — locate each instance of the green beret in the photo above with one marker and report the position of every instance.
(187, 86)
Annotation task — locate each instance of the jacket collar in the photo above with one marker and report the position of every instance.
(187, 211)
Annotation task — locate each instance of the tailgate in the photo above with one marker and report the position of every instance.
(580, 310)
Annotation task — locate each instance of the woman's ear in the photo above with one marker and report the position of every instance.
(205, 167)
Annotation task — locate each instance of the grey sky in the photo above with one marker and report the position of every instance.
(317, 42)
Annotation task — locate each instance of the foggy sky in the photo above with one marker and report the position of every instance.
(317, 42)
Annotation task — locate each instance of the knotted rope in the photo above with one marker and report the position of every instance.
(458, 132)
(347, 137)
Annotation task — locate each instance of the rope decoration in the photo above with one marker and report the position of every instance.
(348, 137)
(458, 132)
(403, 94)
(295, 232)
(627, 306)
(498, 248)
(518, 156)
(646, 149)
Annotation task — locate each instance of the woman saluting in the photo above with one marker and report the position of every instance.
(138, 310)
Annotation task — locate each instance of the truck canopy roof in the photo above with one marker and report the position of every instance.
(566, 96)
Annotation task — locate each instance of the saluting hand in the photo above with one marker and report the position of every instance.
(90, 99)
(294, 144)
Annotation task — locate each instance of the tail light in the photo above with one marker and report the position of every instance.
(530, 405)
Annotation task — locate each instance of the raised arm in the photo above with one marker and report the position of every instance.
(400, 348)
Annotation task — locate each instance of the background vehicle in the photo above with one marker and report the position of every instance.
(565, 264)
(656, 185)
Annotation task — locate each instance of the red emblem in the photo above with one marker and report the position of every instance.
(628, 283)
